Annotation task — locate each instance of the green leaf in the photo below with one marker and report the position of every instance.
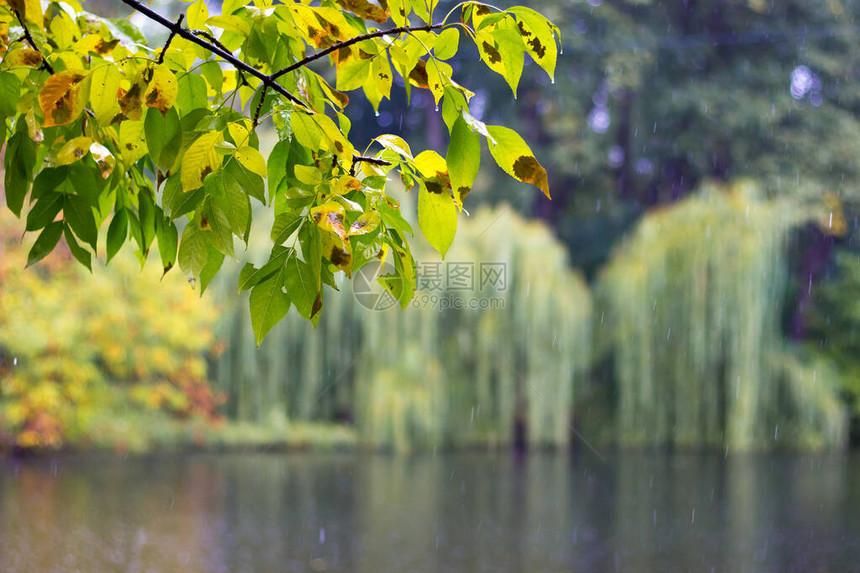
(513, 155)
(252, 184)
(214, 260)
(221, 237)
(227, 195)
(302, 286)
(79, 216)
(168, 241)
(10, 89)
(20, 161)
(193, 250)
(447, 44)
(81, 254)
(464, 159)
(192, 94)
(284, 226)
(389, 210)
(44, 211)
(163, 137)
(48, 239)
(251, 275)
(117, 233)
(353, 74)
(176, 201)
(149, 215)
(269, 305)
(437, 217)
(277, 166)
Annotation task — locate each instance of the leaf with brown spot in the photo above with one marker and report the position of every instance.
(23, 57)
(162, 89)
(338, 251)
(418, 75)
(131, 101)
(515, 157)
(366, 223)
(61, 99)
(365, 9)
(538, 37)
(331, 217)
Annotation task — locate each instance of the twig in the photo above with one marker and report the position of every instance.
(366, 159)
(169, 39)
(260, 105)
(351, 41)
(226, 55)
(209, 38)
(29, 38)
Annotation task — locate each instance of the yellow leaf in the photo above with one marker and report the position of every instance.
(331, 217)
(162, 90)
(104, 86)
(132, 143)
(253, 160)
(61, 99)
(365, 9)
(338, 251)
(239, 132)
(200, 160)
(197, 15)
(23, 57)
(74, 150)
(513, 155)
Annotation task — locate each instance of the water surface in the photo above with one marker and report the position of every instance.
(637, 513)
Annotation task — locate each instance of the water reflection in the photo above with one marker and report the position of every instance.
(261, 512)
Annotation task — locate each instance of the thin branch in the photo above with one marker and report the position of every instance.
(260, 105)
(224, 54)
(351, 41)
(29, 38)
(366, 159)
(169, 39)
(210, 38)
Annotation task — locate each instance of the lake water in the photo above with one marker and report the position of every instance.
(636, 513)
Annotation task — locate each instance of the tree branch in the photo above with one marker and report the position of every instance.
(260, 105)
(29, 38)
(169, 39)
(366, 159)
(224, 54)
(351, 41)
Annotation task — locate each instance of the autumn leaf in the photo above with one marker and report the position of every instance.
(61, 98)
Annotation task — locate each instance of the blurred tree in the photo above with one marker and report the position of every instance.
(650, 98)
(82, 355)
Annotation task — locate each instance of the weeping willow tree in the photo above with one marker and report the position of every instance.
(693, 300)
(460, 366)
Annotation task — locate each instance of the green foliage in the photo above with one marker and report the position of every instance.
(834, 322)
(693, 302)
(149, 140)
(83, 356)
